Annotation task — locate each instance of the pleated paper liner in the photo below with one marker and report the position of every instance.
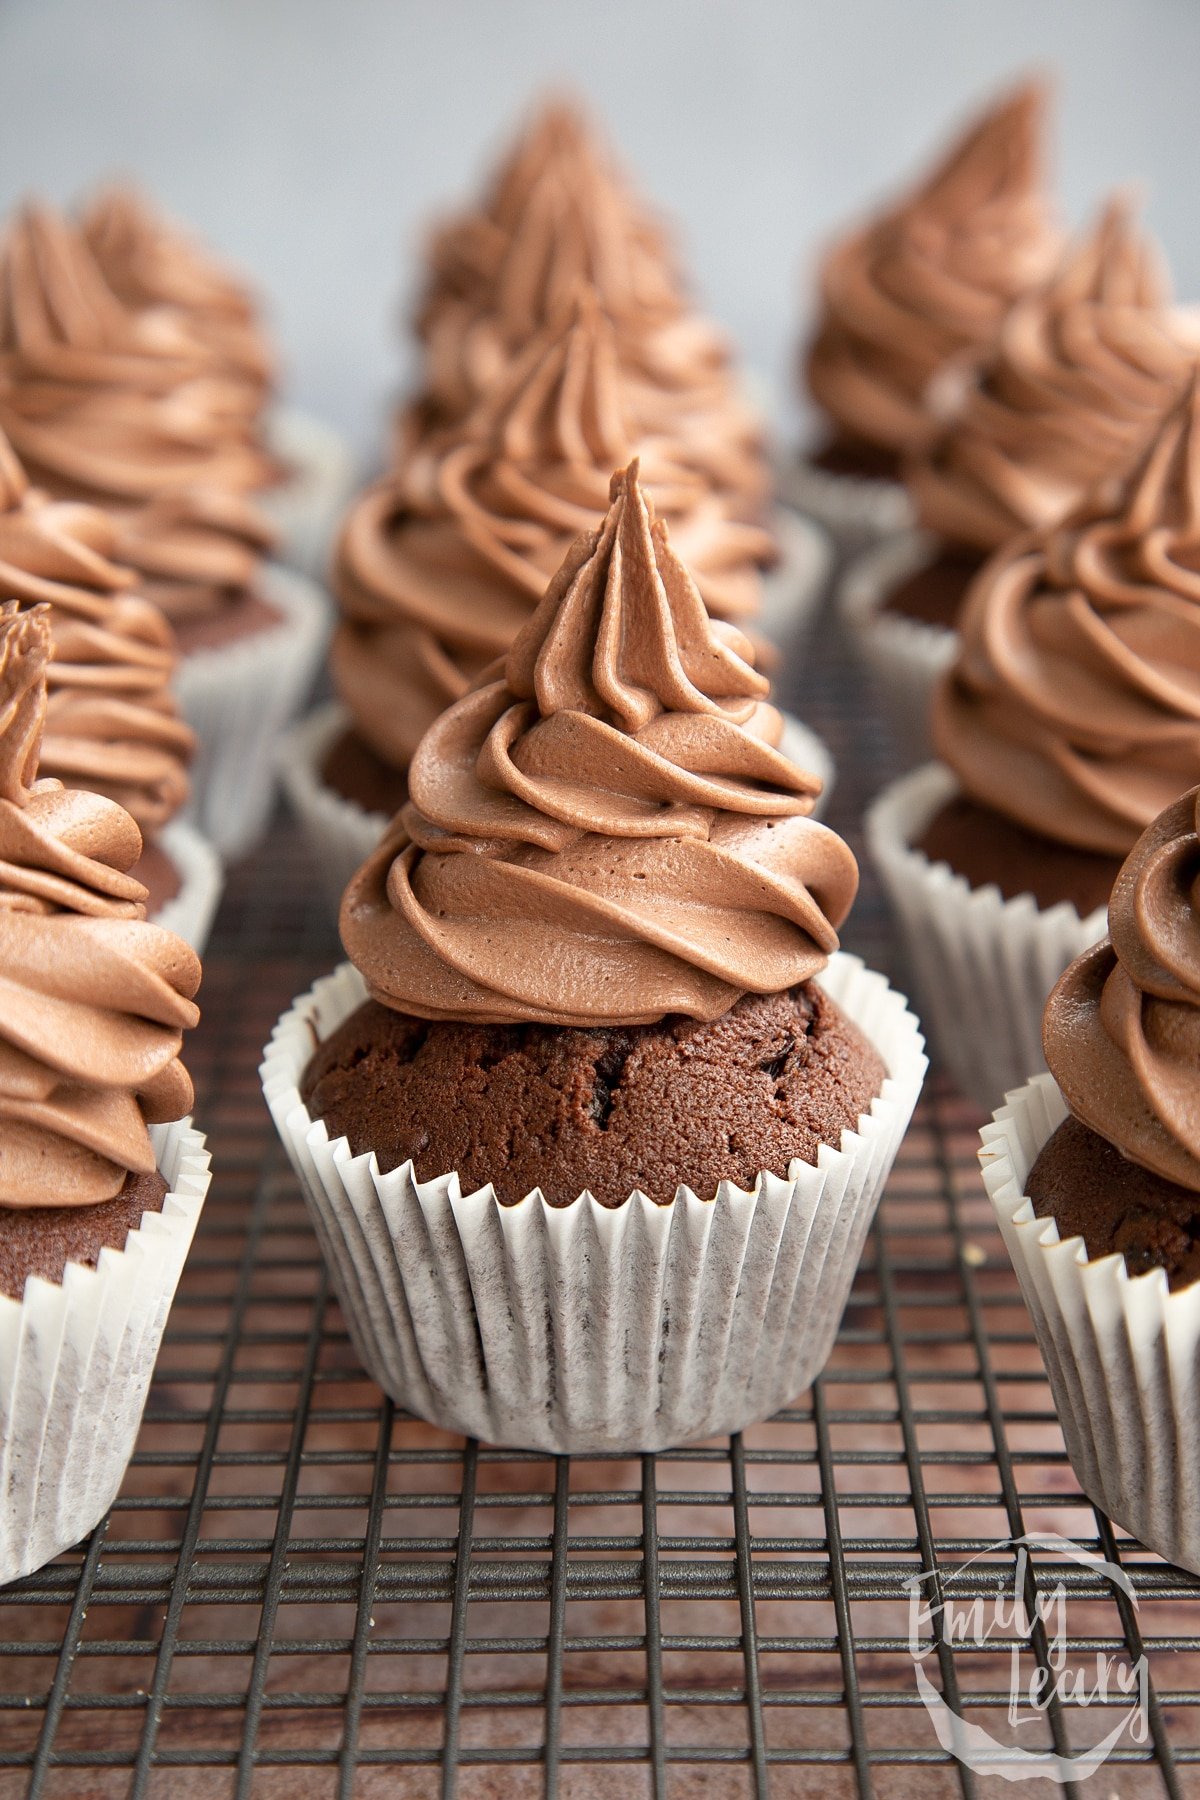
(586, 1328)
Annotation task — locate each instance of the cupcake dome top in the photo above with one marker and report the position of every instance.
(93, 999)
(1081, 374)
(601, 831)
(441, 563)
(1122, 1027)
(123, 407)
(931, 279)
(112, 723)
(1073, 705)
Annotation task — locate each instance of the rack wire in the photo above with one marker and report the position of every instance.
(303, 1591)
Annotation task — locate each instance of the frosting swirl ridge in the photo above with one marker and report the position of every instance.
(93, 999)
(559, 215)
(601, 831)
(1122, 1027)
(148, 261)
(930, 280)
(1073, 705)
(126, 409)
(1080, 375)
(112, 724)
(440, 564)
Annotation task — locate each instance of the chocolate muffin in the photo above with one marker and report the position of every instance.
(613, 1146)
(1121, 1033)
(96, 999)
(1069, 715)
(1116, 1315)
(1068, 718)
(683, 1102)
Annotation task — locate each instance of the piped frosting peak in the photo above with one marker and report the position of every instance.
(930, 280)
(93, 999)
(602, 830)
(1080, 376)
(1073, 705)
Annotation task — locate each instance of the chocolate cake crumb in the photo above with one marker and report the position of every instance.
(1091, 1191)
(42, 1240)
(603, 1109)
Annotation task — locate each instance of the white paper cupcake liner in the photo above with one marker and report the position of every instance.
(238, 698)
(1121, 1351)
(307, 509)
(76, 1358)
(191, 911)
(794, 588)
(854, 509)
(904, 656)
(341, 834)
(982, 966)
(585, 1328)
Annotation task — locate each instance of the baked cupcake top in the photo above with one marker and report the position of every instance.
(931, 279)
(95, 1000)
(1081, 374)
(149, 261)
(124, 408)
(440, 564)
(558, 214)
(1073, 705)
(1122, 1027)
(601, 831)
(112, 724)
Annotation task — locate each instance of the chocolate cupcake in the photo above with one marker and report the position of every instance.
(922, 287)
(1069, 719)
(1094, 1171)
(126, 410)
(101, 1176)
(151, 263)
(112, 721)
(601, 934)
(1081, 376)
(440, 564)
(558, 213)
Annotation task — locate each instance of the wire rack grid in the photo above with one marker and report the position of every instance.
(302, 1591)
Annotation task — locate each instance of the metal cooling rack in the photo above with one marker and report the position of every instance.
(304, 1592)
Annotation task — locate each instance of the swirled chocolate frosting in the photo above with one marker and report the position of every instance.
(601, 831)
(558, 215)
(1081, 375)
(1122, 1028)
(149, 261)
(1073, 706)
(440, 565)
(931, 280)
(93, 999)
(112, 724)
(125, 409)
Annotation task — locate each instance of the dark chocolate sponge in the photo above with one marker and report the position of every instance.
(854, 456)
(608, 1109)
(356, 772)
(42, 1240)
(158, 875)
(244, 617)
(934, 593)
(984, 846)
(1094, 1192)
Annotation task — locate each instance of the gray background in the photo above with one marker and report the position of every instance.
(312, 139)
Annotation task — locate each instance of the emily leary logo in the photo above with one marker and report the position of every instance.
(935, 1611)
